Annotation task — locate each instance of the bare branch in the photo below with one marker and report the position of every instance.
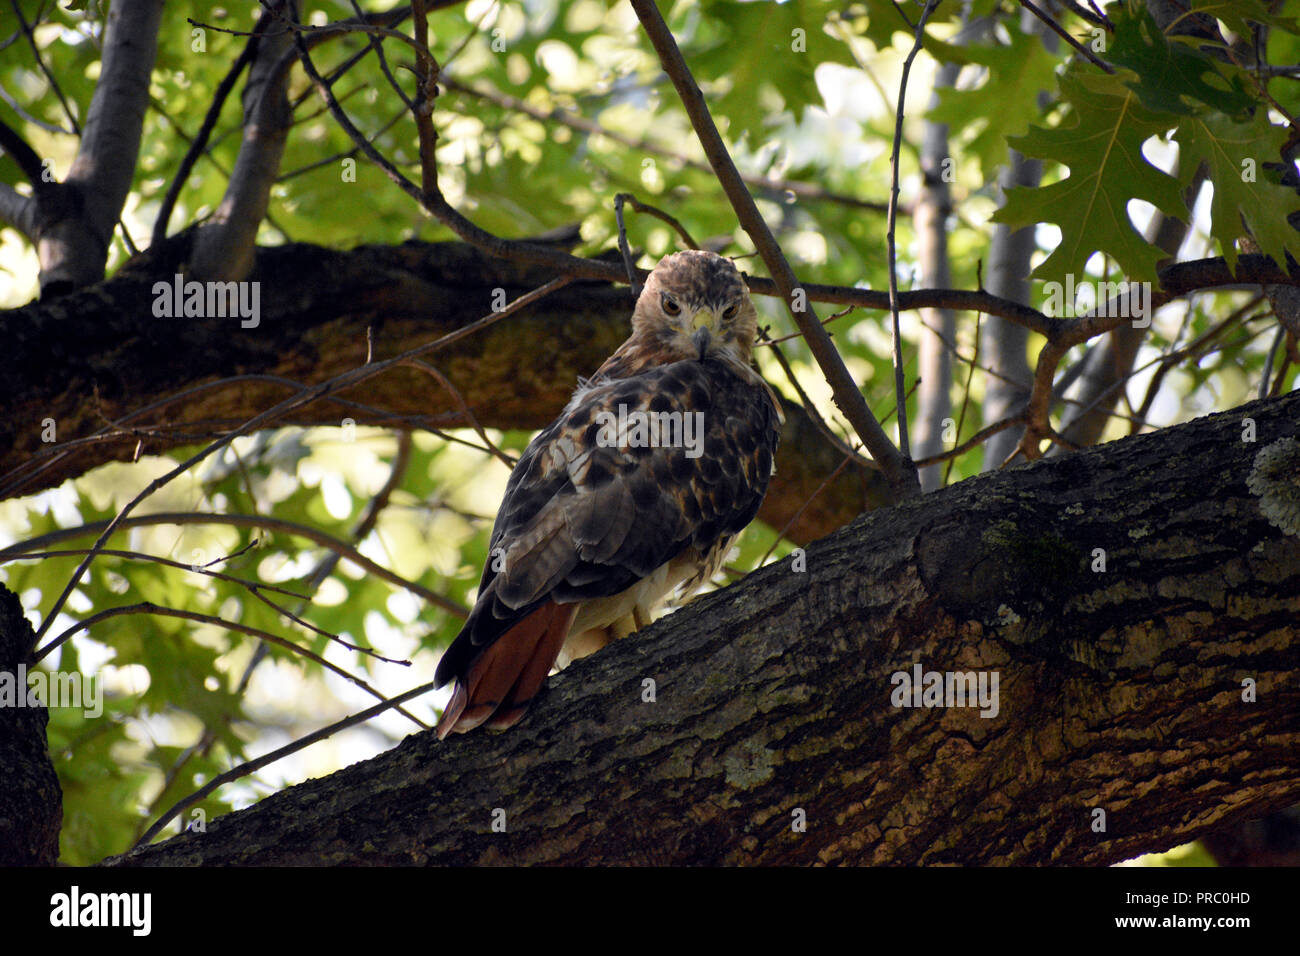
(148, 607)
(198, 145)
(900, 386)
(1065, 35)
(346, 551)
(252, 766)
(454, 392)
(18, 210)
(28, 30)
(25, 157)
(658, 214)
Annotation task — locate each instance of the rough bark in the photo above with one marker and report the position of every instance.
(318, 306)
(1121, 691)
(31, 801)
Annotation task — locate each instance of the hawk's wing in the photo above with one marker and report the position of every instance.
(587, 514)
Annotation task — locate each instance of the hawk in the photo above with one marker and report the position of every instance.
(636, 490)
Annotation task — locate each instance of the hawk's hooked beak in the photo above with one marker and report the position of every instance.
(702, 322)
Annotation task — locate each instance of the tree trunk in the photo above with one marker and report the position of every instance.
(1139, 706)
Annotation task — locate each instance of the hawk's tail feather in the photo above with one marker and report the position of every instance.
(502, 681)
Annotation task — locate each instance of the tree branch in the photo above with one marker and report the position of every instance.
(891, 257)
(199, 144)
(225, 245)
(776, 700)
(73, 250)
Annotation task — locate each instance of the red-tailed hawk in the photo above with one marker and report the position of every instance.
(637, 489)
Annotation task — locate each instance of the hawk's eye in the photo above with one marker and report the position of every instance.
(669, 306)
(730, 311)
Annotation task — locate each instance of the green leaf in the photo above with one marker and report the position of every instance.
(1243, 188)
(1005, 102)
(879, 20)
(1102, 147)
(758, 41)
(1176, 75)
(1237, 15)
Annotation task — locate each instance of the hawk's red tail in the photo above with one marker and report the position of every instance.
(502, 681)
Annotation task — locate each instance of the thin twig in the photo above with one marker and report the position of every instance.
(322, 570)
(1083, 13)
(252, 766)
(565, 117)
(623, 249)
(148, 607)
(1065, 35)
(313, 534)
(813, 414)
(803, 507)
(892, 257)
(454, 392)
(377, 45)
(426, 92)
(29, 30)
(435, 204)
(658, 214)
(965, 398)
(199, 144)
(977, 439)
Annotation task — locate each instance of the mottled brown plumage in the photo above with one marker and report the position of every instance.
(636, 490)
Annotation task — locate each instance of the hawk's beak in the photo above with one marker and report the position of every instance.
(702, 338)
(702, 322)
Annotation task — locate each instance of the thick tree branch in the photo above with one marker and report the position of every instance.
(225, 245)
(342, 382)
(73, 249)
(176, 381)
(31, 801)
(317, 310)
(1162, 690)
(18, 210)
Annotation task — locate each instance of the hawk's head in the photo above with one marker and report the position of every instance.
(695, 305)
